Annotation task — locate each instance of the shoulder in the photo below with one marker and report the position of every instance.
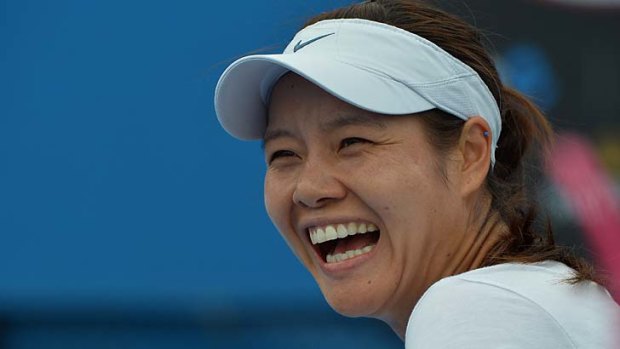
(515, 305)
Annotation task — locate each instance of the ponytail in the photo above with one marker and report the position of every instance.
(525, 129)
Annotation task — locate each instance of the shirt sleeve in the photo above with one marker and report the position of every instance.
(457, 313)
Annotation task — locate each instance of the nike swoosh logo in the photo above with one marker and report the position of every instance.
(301, 45)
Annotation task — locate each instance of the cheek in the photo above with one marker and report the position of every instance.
(278, 203)
(408, 194)
(275, 201)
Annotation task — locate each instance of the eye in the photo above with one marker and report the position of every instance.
(352, 140)
(280, 154)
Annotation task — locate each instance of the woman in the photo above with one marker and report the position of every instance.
(396, 175)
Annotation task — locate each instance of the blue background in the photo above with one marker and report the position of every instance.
(128, 217)
(117, 182)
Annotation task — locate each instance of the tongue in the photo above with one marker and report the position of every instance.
(354, 242)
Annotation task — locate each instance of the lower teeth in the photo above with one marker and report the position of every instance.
(339, 257)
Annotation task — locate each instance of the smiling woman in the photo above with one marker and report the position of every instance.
(369, 187)
(395, 172)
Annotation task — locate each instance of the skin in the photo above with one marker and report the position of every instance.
(329, 161)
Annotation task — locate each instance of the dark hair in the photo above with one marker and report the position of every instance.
(524, 127)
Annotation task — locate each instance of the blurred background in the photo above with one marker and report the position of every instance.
(129, 219)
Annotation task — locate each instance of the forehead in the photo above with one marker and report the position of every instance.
(297, 105)
(293, 95)
(296, 102)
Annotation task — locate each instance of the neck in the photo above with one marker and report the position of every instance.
(476, 247)
(470, 252)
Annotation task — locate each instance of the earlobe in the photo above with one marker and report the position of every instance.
(475, 148)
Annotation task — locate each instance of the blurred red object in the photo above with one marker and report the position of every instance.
(575, 169)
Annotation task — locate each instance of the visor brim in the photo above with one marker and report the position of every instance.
(242, 93)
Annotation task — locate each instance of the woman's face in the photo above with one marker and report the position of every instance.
(369, 185)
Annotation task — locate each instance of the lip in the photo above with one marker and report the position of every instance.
(337, 268)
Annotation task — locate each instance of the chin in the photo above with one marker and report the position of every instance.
(350, 309)
(352, 303)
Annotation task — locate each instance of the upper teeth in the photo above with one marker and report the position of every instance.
(329, 232)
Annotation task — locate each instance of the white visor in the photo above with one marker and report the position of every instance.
(371, 65)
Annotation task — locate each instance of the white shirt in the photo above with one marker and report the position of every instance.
(514, 306)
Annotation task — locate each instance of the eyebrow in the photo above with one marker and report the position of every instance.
(339, 122)
(273, 134)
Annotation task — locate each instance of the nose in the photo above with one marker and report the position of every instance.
(317, 186)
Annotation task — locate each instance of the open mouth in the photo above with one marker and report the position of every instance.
(339, 242)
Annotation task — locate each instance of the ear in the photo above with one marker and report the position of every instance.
(475, 152)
